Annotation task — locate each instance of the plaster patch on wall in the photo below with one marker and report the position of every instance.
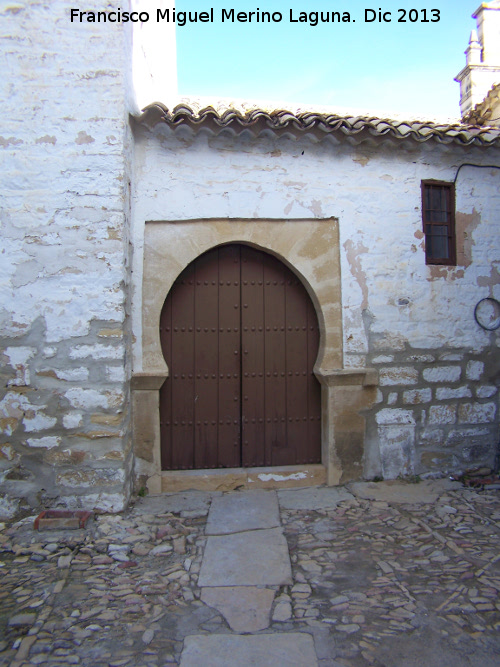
(38, 421)
(11, 141)
(491, 280)
(48, 442)
(353, 254)
(18, 358)
(89, 399)
(316, 208)
(450, 273)
(12, 409)
(46, 140)
(84, 138)
(465, 225)
(361, 159)
(72, 420)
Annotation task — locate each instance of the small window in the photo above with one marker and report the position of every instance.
(438, 217)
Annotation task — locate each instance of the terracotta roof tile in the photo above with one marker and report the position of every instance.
(240, 118)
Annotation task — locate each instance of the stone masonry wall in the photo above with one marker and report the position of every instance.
(64, 151)
(437, 409)
(436, 412)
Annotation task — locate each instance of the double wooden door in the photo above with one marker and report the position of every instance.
(240, 336)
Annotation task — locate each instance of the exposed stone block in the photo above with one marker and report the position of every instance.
(442, 374)
(8, 506)
(417, 396)
(390, 342)
(396, 450)
(443, 414)
(13, 407)
(394, 416)
(383, 359)
(100, 502)
(445, 393)
(431, 436)
(477, 434)
(8, 456)
(474, 370)
(116, 373)
(90, 477)
(72, 374)
(398, 375)
(477, 413)
(110, 333)
(486, 391)
(96, 434)
(18, 358)
(479, 453)
(65, 457)
(113, 455)
(107, 420)
(439, 461)
(392, 398)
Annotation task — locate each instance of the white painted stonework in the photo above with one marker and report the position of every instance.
(82, 180)
(65, 163)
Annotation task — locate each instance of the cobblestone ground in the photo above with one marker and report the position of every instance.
(375, 583)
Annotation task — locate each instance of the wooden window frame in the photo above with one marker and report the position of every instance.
(450, 223)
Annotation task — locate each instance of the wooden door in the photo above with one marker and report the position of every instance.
(240, 336)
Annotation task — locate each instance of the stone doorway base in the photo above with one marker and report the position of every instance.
(230, 479)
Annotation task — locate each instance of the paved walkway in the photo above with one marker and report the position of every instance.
(392, 575)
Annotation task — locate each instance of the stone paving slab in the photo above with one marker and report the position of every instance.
(245, 608)
(427, 491)
(190, 501)
(295, 649)
(239, 512)
(253, 558)
(313, 498)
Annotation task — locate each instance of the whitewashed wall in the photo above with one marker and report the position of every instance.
(438, 401)
(67, 159)
(64, 152)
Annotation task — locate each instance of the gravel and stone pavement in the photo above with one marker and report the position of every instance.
(384, 574)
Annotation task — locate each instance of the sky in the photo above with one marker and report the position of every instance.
(400, 68)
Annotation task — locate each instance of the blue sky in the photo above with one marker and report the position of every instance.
(406, 68)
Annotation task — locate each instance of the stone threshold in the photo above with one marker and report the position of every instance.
(230, 479)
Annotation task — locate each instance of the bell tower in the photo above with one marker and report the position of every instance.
(482, 69)
(154, 55)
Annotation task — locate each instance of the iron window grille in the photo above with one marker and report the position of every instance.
(438, 217)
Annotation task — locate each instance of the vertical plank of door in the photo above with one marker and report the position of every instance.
(252, 365)
(296, 364)
(277, 450)
(182, 371)
(206, 360)
(313, 388)
(229, 351)
(166, 390)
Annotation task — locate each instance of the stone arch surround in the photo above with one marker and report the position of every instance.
(310, 248)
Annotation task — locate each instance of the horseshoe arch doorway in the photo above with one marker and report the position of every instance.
(240, 336)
